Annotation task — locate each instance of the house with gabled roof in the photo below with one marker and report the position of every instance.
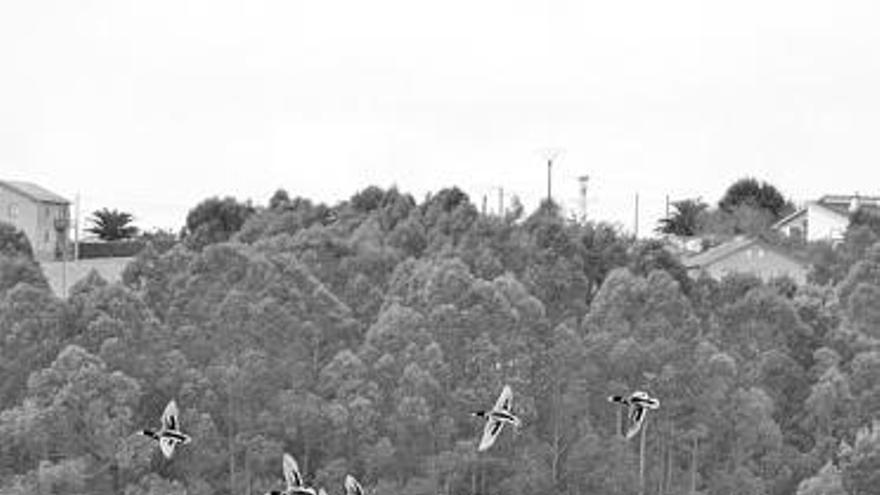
(825, 219)
(41, 214)
(748, 255)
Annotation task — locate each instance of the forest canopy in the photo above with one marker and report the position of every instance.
(359, 337)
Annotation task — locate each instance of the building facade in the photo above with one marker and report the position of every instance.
(42, 215)
(747, 255)
(825, 219)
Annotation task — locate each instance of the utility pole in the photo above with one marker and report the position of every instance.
(642, 460)
(76, 232)
(64, 267)
(583, 182)
(501, 201)
(636, 230)
(484, 205)
(667, 206)
(64, 232)
(551, 155)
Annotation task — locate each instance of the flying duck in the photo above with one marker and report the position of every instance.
(169, 434)
(637, 404)
(352, 487)
(496, 417)
(293, 479)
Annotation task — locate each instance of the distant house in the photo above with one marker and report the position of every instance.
(747, 255)
(42, 215)
(825, 219)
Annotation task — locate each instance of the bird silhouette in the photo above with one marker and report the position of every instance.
(292, 479)
(637, 405)
(168, 435)
(496, 418)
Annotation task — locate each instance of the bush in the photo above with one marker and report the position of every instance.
(113, 249)
(13, 242)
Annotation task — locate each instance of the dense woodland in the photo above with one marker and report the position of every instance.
(358, 338)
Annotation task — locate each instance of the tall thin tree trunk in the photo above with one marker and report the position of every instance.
(694, 467)
(315, 355)
(642, 459)
(474, 480)
(247, 471)
(555, 462)
(231, 445)
(114, 473)
(306, 450)
(669, 451)
(661, 480)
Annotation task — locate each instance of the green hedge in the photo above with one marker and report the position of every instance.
(113, 249)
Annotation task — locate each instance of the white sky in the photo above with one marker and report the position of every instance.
(151, 106)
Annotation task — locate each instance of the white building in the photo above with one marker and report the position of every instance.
(825, 219)
(42, 215)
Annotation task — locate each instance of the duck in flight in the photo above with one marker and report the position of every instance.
(637, 405)
(168, 435)
(292, 478)
(496, 418)
(352, 487)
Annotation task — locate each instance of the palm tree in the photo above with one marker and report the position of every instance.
(111, 225)
(685, 220)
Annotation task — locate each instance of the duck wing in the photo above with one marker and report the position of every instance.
(636, 413)
(169, 416)
(490, 433)
(352, 487)
(166, 445)
(291, 472)
(505, 400)
(636, 418)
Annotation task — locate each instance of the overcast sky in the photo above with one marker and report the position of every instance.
(151, 106)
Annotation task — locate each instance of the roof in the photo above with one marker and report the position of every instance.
(34, 192)
(833, 208)
(836, 204)
(841, 204)
(718, 252)
(729, 248)
(788, 218)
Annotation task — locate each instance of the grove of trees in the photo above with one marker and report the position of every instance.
(359, 337)
(748, 206)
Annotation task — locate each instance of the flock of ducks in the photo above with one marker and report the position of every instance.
(169, 436)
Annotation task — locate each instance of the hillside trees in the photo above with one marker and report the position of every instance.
(215, 220)
(359, 337)
(761, 195)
